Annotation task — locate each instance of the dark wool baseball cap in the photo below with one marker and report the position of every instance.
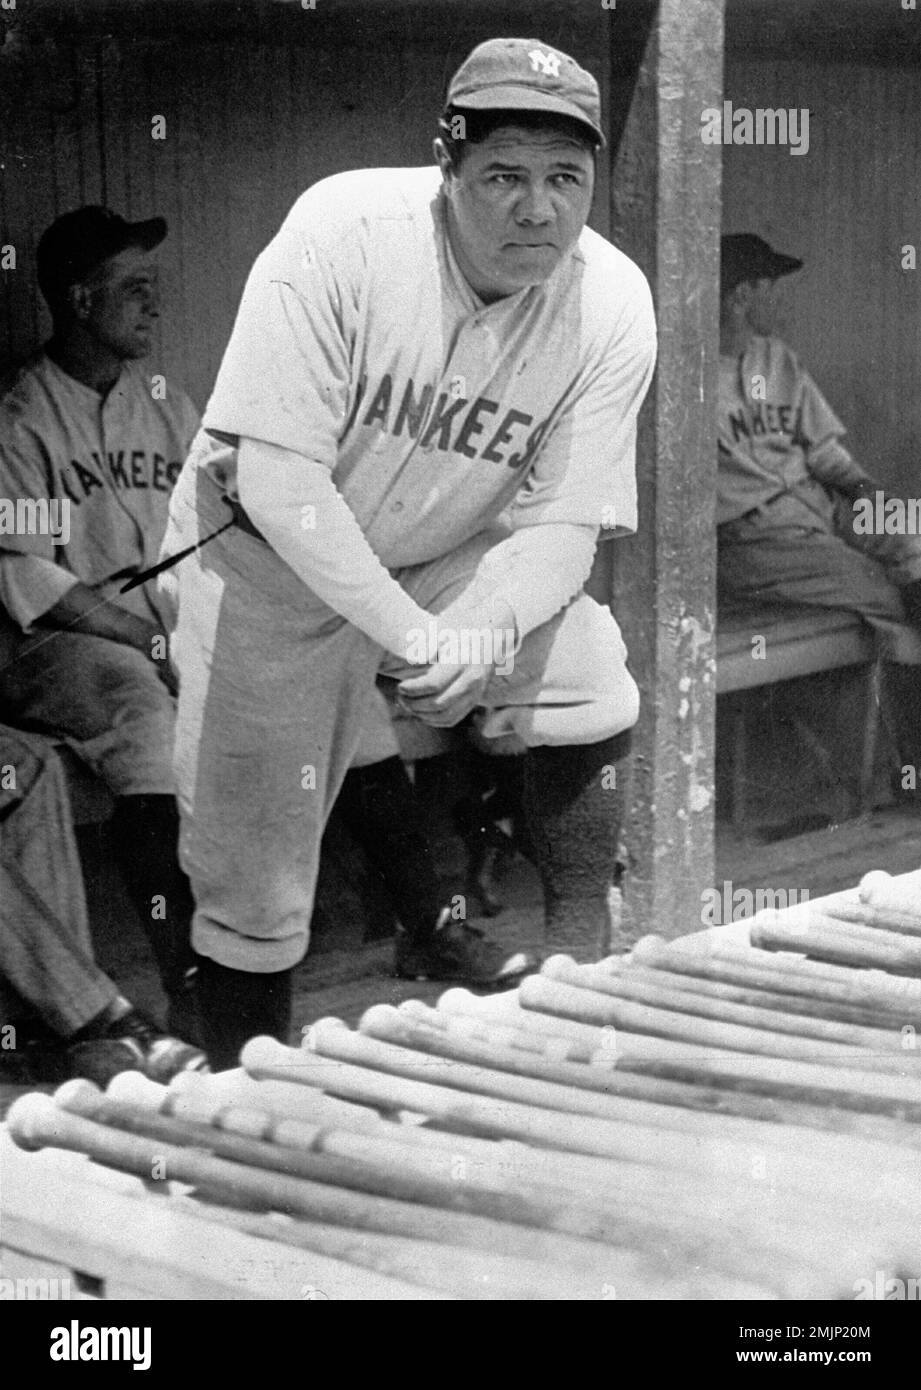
(527, 75)
(78, 242)
(744, 256)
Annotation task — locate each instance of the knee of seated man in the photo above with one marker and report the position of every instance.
(127, 680)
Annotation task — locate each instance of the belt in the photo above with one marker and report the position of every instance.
(756, 511)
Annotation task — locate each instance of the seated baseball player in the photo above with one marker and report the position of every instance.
(786, 487)
(791, 501)
(90, 447)
(46, 954)
(426, 416)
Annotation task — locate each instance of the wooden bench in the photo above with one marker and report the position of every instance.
(797, 641)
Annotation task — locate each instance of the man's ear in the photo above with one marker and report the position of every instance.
(739, 299)
(80, 301)
(442, 158)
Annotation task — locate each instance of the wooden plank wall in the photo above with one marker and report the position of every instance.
(846, 207)
(251, 120)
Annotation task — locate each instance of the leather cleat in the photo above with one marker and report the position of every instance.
(457, 953)
(157, 1054)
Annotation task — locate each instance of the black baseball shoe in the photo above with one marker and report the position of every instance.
(458, 953)
(157, 1054)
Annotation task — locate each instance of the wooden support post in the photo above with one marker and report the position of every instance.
(665, 202)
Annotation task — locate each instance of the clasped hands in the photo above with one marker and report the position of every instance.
(448, 689)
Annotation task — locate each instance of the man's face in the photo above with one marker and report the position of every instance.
(123, 303)
(516, 206)
(767, 307)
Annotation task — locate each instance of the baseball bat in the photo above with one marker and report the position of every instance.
(761, 1076)
(853, 997)
(368, 1166)
(477, 1043)
(120, 1231)
(551, 996)
(651, 987)
(623, 1133)
(35, 1121)
(608, 1215)
(549, 1259)
(839, 943)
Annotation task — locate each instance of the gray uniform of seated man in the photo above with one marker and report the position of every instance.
(792, 503)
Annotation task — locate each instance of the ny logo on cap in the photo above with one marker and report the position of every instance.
(548, 64)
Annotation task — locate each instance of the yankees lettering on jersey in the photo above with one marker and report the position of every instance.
(759, 419)
(136, 469)
(115, 459)
(447, 424)
(360, 345)
(772, 419)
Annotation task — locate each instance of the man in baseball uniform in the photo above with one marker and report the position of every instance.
(425, 418)
(90, 447)
(47, 967)
(786, 484)
(791, 501)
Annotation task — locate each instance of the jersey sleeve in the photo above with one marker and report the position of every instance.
(284, 378)
(584, 472)
(332, 556)
(24, 478)
(818, 421)
(537, 571)
(30, 586)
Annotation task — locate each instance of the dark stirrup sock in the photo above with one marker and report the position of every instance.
(145, 838)
(235, 1006)
(573, 799)
(379, 806)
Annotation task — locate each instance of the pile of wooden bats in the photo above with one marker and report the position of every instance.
(706, 1118)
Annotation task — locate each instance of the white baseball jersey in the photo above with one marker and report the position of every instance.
(360, 345)
(114, 460)
(776, 433)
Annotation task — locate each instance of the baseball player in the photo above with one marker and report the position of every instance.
(786, 484)
(88, 435)
(46, 952)
(424, 418)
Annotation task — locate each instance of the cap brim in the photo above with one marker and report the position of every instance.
(515, 98)
(784, 265)
(146, 234)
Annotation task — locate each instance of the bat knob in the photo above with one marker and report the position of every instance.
(260, 1053)
(135, 1088)
(416, 1009)
(458, 1001)
(29, 1119)
(558, 967)
(648, 948)
(323, 1027)
(874, 882)
(383, 1020)
(80, 1096)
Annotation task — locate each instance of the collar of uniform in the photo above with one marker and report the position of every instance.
(80, 388)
